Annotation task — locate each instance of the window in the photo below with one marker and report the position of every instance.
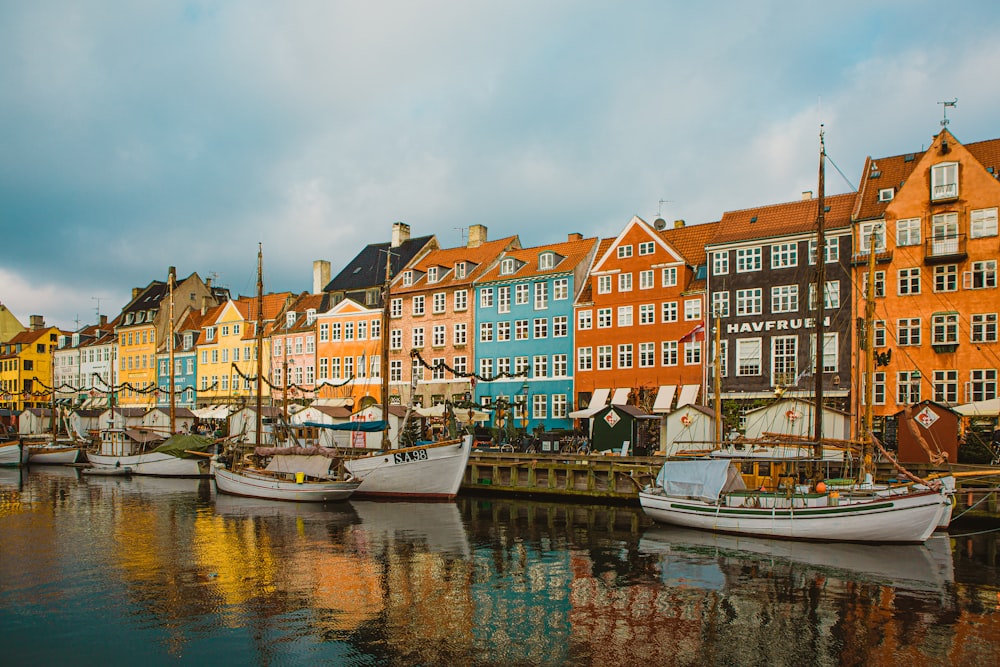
(692, 309)
(784, 357)
(604, 357)
(440, 298)
(983, 385)
(348, 331)
(559, 365)
(908, 331)
(396, 370)
(396, 308)
(984, 328)
(408, 279)
(559, 406)
(907, 387)
(418, 337)
(669, 311)
(362, 331)
(692, 353)
(878, 340)
(225, 327)
(584, 358)
(831, 252)
(503, 331)
(324, 332)
(348, 367)
(521, 330)
(461, 365)
(908, 281)
(983, 222)
(647, 355)
(720, 263)
(946, 278)
(486, 368)
(748, 259)
(560, 326)
(944, 234)
(647, 313)
(944, 181)
(748, 301)
(418, 305)
(944, 329)
(503, 366)
(540, 366)
(521, 294)
(785, 299)
(624, 251)
(486, 297)
(723, 359)
(624, 282)
(879, 284)
(437, 368)
(720, 304)
(625, 355)
(507, 266)
(831, 352)
(982, 276)
(461, 333)
(546, 261)
(541, 296)
(584, 320)
(603, 318)
(646, 279)
(946, 386)
(503, 300)
(396, 339)
(541, 327)
(748, 356)
(521, 366)
(886, 194)
(831, 295)
(604, 284)
(376, 329)
(668, 353)
(869, 230)
(460, 270)
(624, 316)
(878, 388)
(560, 289)
(485, 332)
(908, 232)
(784, 255)
(646, 248)
(539, 406)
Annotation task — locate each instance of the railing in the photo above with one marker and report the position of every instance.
(950, 246)
(944, 191)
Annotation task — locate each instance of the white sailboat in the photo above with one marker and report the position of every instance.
(295, 474)
(12, 454)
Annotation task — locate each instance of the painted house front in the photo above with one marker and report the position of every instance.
(349, 353)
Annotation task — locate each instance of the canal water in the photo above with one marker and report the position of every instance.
(143, 571)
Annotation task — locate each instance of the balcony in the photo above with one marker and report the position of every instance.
(945, 249)
(944, 192)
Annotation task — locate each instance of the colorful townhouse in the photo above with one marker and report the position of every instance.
(932, 218)
(98, 361)
(431, 344)
(292, 338)
(640, 320)
(185, 354)
(26, 371)
(10, 326)
(349, 335)
(142, 332)
(524, 337)
(70, 378)
(227, 350)
(762, 296)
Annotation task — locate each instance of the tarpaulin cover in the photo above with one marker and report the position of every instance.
(360, 427)
(314, 466)
(701, 479)
(178, 445)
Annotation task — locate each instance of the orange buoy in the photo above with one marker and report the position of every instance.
(820, 487)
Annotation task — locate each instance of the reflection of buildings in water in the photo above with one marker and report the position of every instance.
(10, 491)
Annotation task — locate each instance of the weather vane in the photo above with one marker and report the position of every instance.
(944, 110)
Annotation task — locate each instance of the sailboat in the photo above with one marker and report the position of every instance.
(300, 474)
(52, 451)
(431, 471)
(12, 454)
(711, 494)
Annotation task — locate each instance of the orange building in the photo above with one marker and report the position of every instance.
(640, 322)
(932, 217)
(349, 354)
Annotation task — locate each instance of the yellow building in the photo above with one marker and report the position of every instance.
(227, 349)
(26, 367)
(10, 326)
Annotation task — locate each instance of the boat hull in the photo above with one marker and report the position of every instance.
(52, 455)
(12, 454)
(909, 518)
(431, 472)
(271, 488)
(154, 464)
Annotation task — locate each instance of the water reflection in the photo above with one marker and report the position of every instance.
(166, 568)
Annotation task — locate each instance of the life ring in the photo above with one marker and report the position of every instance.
(686, 420)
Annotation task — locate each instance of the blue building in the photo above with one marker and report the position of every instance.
(524, 333)
(185, 363)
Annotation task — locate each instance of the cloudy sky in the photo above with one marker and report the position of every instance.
(140, 135)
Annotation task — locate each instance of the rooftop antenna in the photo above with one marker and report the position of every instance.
(659, 209)
(944, 110)
(98, 300)
(462, 231)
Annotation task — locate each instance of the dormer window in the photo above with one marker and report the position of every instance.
(310, 316)
(129, 318)
(139, 317)
(886, 194)
(460, 270)
(944, 181)
(188, 341)
(290, 318)
(407, 278)
(432, 274)
(210, 333)
(150, 315)
(507, 266)
(546, 261)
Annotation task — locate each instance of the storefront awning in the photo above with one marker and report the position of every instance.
(689, 395)
(621, 396)
(664, 398)
(597, 402)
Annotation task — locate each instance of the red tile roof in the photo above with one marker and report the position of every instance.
(572, 252)
(690, 241)
(781, 219)
(481, 258)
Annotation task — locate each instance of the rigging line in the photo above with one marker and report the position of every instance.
(846, 180)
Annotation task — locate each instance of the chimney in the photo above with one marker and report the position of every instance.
(477, 235)
(36, 322)
(103, 320)
(574, 236)
(208, 283)
(400, 234)
(807, 195)
(172, 274)
(678, 224)
(321, 274)
(135, 291)
(204, 305)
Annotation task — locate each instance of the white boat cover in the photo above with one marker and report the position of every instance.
(315, 465)
(702, 479)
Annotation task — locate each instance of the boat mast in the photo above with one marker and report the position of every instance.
(384, 363)
(869, 349)
(170, 353)
(820, 299)
(260, 340)
(717, 370)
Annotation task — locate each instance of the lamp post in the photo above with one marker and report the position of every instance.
(524, 415)
(284, 389)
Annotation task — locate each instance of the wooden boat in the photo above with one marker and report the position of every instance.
(271, 485)
(12, 454)
(172, 458)
(711, 495)
(49, 453)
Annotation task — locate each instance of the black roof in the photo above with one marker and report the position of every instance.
(367, 269)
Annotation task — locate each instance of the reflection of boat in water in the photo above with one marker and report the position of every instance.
(55, 472)
(139, 485)
(437, 526)
(246, 507)
(692, 553)
(10, 479)
(12, 454)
